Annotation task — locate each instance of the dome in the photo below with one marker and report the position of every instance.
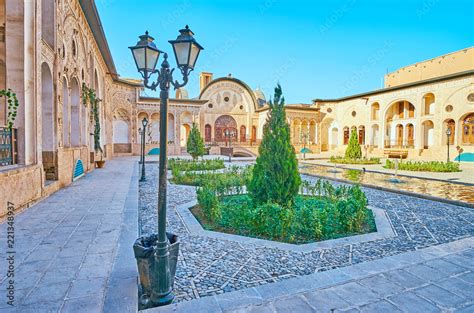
(261, 100)
(182, 93)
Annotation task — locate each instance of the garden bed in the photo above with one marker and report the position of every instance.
(323, 212)
(424, 166)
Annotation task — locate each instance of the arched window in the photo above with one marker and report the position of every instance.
(362, 135)
(346, 135)
(243, 136)
(223, 123)
(254, 133)
(375, 108)
(428, 104)
(207, 133)
(468, 130)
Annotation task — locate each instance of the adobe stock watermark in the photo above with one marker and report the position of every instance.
(10, 289)
(336, 15)
(372, 60)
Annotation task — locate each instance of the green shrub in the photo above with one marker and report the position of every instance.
(344, 160)
(353, 150)
(275, 176)
(191, 165)
(209, 203)
(424, 166)
(195, 144)
(322, 211)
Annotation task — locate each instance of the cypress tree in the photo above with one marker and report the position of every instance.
(275, 175)
(195, 144)
(353, 150)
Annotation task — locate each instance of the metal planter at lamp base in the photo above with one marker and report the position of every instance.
(145, 254)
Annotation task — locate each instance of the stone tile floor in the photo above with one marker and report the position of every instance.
(209, 266)
(399, 283)
(66, 245)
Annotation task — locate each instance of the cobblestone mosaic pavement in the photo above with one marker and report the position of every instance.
(210, 266)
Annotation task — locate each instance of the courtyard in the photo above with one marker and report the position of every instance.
(73, 253)
(236, 156)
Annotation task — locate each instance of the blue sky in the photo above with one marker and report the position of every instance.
(315, 49)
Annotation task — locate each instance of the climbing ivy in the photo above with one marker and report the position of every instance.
(89, 97)
(13, 105)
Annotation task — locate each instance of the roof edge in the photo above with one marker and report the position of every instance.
(404, 86)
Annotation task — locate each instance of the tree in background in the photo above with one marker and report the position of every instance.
(275, 176)
(353, 150)
(195, 144)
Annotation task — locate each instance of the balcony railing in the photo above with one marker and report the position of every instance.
(7, 146)
(397, 144)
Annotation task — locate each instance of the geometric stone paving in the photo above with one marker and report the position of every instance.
(209, 266)
(426, 280)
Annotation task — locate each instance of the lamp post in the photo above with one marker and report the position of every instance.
(144, 124)
(229, 134)
(448, 135)
(146, 54)
(304, 138)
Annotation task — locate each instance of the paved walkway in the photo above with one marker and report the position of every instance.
(435, 279)
(67, 252)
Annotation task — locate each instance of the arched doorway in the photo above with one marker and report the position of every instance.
(468, 130)
(140, 118)
(428, 104)
(375, 108)
(47, 109)
(399, 135)
(243, 136)
(254, 133)
(65, 117)
(362, 135)
(121, 128)
(223, 123)
(312, 132)
(410, 135)
(375, 136)
(155, 128)
(75, 114)
(208, 133)
(170, 128)
(428, 134)
(185, 127)
(346, 135)
(334, 135)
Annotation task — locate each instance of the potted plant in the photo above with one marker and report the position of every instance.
(89, 97)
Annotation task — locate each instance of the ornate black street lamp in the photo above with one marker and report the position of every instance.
(229, 134)
(159, 283)
(448, 135)
(144, 124)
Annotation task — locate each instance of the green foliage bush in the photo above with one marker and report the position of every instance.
(191, 165)
(275, 177)
(343, 160)
(353, 150)
(195, 144)
(235, 177)
(424, 166)
(321, 211)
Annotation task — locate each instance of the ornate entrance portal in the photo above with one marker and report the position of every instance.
(223, 123)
